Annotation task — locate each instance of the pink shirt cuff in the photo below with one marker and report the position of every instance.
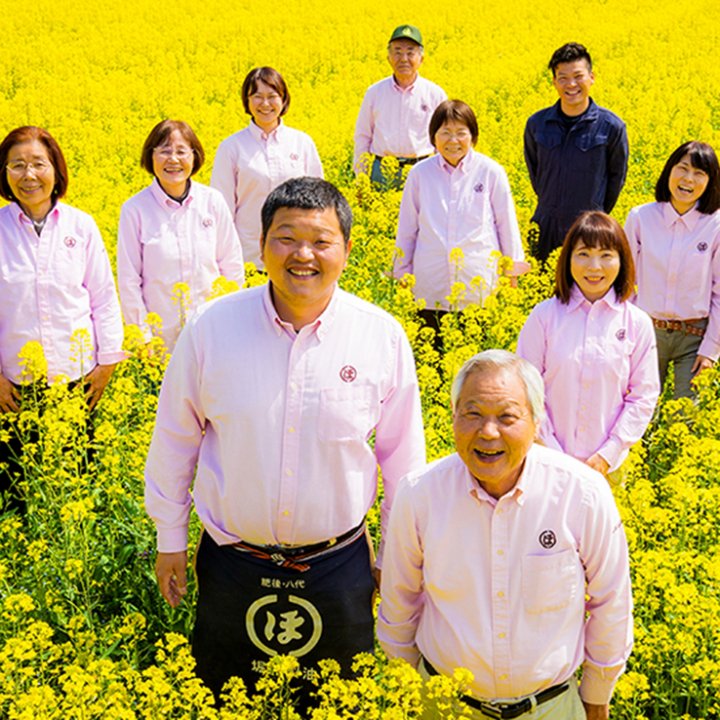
(110, 358)
(171, 540)
(710, 349)
(598, 683)
(610, 452)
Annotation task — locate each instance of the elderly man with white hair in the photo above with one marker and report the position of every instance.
(509, 559)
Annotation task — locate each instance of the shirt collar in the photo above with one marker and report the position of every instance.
(463, 167)
(516, 493)
(164, 200)
(671, 216)
(591, 113)
(577, 299)
(260, 135)
(408, 89)
(320, 327)
(23, 220)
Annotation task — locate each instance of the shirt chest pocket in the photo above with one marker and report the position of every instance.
(347, 413)
(550, 582)
(67, 266)
(590, 142)
(548, 138)
(419, 118)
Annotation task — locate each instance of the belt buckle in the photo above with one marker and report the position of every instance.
(492, 710)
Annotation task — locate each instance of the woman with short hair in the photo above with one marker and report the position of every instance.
(174, 231)
(255, 160)
(457, 200)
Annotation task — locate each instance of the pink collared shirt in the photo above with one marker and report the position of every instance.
(677, 260)
(249, 164)
(53, 286)
(279, 423)
(469, 208)
(394, 121)
(162, 242)
(599, 365)
(499, 586)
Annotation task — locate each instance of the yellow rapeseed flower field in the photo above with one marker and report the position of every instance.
(83, 631)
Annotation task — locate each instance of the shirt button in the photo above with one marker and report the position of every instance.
(501, 552)
(501, 594)
(501, 636)
(291, 429)
(503, 677)
(289, 472)
(293, 387)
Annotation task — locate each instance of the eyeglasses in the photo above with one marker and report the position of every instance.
(167, 152)
(20, 167)
(459, 135)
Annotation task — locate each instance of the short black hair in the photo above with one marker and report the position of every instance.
(307, 193)
(569, 52)
(702, 157)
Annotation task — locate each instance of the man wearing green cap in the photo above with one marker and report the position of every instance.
(395, 113)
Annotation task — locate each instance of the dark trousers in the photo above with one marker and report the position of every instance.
(13, 470)
(432, 319)
(250, 609)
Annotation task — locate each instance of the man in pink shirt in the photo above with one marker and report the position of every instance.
(496, 554)
(395, 112)
(273, 394)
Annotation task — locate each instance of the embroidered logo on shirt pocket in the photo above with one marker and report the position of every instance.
(347, 413)
(550, 582)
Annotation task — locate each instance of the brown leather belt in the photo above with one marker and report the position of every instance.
(689, 327)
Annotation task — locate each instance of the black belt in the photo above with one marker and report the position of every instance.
(507, 710)
(405, 160)
(302, 550)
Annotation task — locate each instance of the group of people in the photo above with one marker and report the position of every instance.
(280, 402)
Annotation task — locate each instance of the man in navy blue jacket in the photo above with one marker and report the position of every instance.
(576, 152)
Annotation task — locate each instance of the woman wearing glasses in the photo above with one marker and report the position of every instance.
(174, 231)
(457, 217)
(56, 282)
(255, 160)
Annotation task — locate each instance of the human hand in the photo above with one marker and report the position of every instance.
(596, 712)
(9, 396)
(171, 571)
(597, 462)
(701, 363)
(95, 382)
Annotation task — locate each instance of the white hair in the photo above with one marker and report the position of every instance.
(502, 359)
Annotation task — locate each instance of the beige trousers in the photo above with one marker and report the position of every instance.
(567, 706)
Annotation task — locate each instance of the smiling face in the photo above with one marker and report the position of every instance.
(304, 252)
(173, 163)
(594, 269)
(265, 105)
(494, 428)
(573, 81)
(453, 141)
(31, 177)
(687, 184)
(405, 58)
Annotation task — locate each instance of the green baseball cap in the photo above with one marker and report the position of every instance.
(407, 32)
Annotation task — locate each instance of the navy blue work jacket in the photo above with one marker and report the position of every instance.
(573, 168)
